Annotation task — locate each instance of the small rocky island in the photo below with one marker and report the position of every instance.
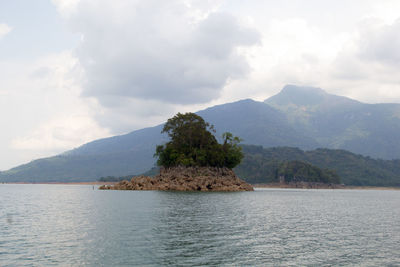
(186, 179)
(192, 160)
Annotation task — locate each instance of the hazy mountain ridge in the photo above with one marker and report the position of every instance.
(256, 123)
(341, 123)
(137, 140)
(303, 117)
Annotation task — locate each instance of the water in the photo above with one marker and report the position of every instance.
(68, 225)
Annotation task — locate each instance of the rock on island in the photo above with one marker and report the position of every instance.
(186, 179)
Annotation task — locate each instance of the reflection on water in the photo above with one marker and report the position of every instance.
(44, 225)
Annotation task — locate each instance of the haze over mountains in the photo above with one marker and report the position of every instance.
(302, 117)
(341, 123)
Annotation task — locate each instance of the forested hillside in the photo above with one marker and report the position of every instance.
(339, 122)
(259, 164)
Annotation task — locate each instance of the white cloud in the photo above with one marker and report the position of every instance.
(292, 52)
(380, 42)
(162, 54)
(362, 63)
(60, 134)
(298, 46)
(385, 10)
(159, 52)
(42, 109)
(66, 7)
(4, 30)
(368, 65)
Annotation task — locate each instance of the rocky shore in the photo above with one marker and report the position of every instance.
(186, 179)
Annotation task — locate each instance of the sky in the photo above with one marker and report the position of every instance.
(72, 71)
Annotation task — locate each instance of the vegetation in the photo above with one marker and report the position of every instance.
(296, 171)
(260, 165)
(259, 169)
(192, 143)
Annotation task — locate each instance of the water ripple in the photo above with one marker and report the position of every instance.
(64, 225)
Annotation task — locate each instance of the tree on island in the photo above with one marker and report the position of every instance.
(192, 143)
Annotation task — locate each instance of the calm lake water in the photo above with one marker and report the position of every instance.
(70, 225)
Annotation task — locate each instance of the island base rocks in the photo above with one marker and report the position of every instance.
(186, 179)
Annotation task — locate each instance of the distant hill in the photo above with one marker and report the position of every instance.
(303, 117)
(341, 123)
(256, 123)
(114, 156)
(259, 164)
(132, 153)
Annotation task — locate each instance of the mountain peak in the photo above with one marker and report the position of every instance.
(290, 88)
(298, 95)
(306, 96)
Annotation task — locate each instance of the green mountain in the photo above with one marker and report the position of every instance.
(259, 165)
(302, 117)
(133, 153)
(341, 123)
(114, 156)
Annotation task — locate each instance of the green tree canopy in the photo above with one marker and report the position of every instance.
(192, 143)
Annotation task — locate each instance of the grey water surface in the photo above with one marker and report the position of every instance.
(74, 225)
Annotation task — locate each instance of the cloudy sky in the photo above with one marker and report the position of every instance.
(76, 70)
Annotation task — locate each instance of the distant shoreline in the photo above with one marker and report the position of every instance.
(346, 187)
(271, 185)
(66, 183)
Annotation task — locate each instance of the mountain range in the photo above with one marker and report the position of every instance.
(302, 117)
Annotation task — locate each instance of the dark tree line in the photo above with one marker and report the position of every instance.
(260, 164)
(296, 171)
